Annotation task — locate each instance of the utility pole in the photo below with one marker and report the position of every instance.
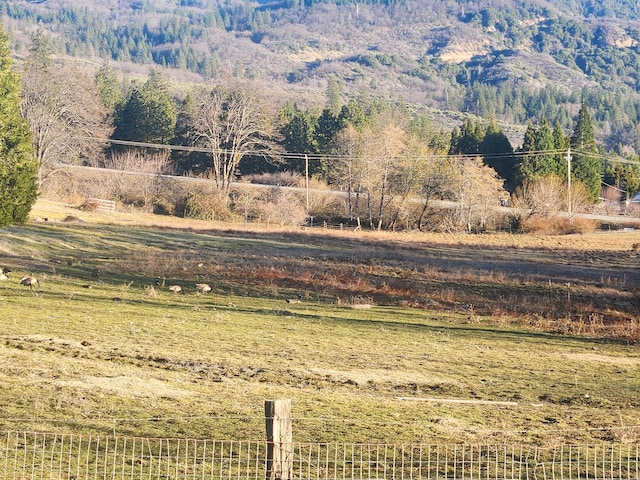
(569, 182)
(306, 178)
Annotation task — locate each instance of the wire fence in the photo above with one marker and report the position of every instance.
(37, 456)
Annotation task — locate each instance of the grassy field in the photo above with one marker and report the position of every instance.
(374, 337)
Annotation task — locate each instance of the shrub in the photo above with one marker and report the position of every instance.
(171, 197)
(580, 225)
(277, 179)
(213, 205)
(280, 207)
(557, 225)
(323, 204)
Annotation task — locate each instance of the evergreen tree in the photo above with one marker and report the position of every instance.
(529, 141)
(429, 134)
(40, 50)
(560, 145)
(543, 150)
(498, 152)
(355, 114)
(454, 141)
(328, 126)
(149, 114)
(18, 165)
(334, 95)
(299, 132)
(624, 176)
(184, 161)
(585, 162)
(107, 82)
(544, 163)
(469, 138)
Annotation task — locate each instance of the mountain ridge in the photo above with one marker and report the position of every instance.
(513, 61)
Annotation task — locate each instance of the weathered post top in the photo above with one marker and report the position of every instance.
(279, 439)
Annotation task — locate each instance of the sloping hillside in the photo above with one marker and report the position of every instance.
(512, 60)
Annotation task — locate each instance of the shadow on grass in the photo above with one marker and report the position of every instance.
(490, 277)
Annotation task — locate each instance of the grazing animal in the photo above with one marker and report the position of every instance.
(175, 288)
(29, 281)
(295, 300)
(203, 287)
(3, 274)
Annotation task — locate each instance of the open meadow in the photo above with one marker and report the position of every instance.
(375, 337)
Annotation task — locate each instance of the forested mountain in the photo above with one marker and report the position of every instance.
(512, 61)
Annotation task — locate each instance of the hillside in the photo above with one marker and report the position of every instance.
(512, 60)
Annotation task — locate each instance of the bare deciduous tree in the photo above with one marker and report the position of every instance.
(65, 114)
(233, 123)
(541, 196)
(279, 206)
(369, 165)
(347, 169)
(140, 187)
(477, 189)
(422, 173)
(321, 201)
(580, 198)
(385, 142)
(612, 197)
(244, 201)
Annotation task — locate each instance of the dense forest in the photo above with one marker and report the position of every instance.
(514, 61)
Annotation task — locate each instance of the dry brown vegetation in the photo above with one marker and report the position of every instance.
(585, 284)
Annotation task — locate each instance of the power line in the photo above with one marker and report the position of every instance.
(333, 156)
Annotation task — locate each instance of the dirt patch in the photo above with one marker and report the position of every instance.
(594, 357)
(361, 377)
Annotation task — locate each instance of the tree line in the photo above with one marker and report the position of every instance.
(382, 154)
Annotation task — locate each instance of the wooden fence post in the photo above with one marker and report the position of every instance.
(279, 439)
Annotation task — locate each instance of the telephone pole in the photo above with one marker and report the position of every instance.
(569, 182)
(306, 179)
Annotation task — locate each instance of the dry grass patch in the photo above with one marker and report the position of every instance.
(131, 387)
(592, 357)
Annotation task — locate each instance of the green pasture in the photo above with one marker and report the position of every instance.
(103, 347)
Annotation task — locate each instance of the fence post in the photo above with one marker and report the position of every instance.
(279, 439)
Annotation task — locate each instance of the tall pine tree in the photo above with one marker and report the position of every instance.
(149, 114)
(18, 165)
(585, 163)
(543, 152)
(560, 145)
(498, 152)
